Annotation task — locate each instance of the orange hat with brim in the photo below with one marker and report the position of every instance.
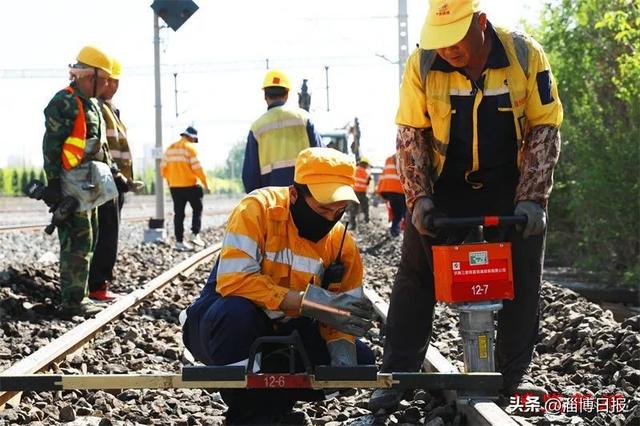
(329, 174)
(447, 22)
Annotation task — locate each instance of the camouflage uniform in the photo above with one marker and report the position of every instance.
(78, 234)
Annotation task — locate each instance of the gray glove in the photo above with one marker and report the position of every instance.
(342, 353)
(536, 217)
(349, 312)
(421, 209)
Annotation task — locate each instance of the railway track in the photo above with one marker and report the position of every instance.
(73, 340)
(477, 410)
(42, 225)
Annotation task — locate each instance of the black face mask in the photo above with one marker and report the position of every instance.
(310, 224)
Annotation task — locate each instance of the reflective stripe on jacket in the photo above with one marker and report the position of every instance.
(73, 147)
(117, 139)
(263, 256)
(180, 165)
(389, 179)
(363, 175)
(273, 144)
(428, 105)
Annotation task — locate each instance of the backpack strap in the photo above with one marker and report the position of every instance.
(522, 50)
(427, 57)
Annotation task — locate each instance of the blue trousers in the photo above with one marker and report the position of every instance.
(220, 331)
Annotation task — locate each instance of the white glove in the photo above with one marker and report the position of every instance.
(536, 217)
(421, 209)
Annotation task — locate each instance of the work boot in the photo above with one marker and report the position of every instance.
(196, 240)
(103, 294)
(85, 309)
(183, 246)
(385, 399)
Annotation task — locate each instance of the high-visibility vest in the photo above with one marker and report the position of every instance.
(389, 179)
(74, 146)
(117, 139)
(362, 179)
(281, 133)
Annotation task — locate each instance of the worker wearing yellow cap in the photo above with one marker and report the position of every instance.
(77, 164)
(104, 257)
(274, 277)
(276, 137)
(478, 135)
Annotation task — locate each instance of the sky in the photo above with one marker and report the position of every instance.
(219, 56)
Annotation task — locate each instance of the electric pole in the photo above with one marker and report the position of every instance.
(326, 79)
(174, 13)
(403, 37)
(175, 90)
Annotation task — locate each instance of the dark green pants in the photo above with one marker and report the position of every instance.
(78, 236)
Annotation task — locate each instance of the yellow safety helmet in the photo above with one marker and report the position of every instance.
(276, 78)
(116, 69)
(364, 159)
(96, 58)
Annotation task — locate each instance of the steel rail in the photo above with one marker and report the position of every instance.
(131, 219)
(78, 336)
(42, 225)
(479, 411)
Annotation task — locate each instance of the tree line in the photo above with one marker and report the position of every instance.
(594, 50)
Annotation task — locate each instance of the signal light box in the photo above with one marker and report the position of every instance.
(174, 12)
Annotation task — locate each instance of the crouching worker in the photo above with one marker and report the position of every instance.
(268, 281)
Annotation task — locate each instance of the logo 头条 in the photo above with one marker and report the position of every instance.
(478, 258)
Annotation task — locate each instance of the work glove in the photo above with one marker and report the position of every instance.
(122, 183)
(422, 210)
(536, 217)
(52, 193)
(349, 312)
(342, 353)
(136, 186)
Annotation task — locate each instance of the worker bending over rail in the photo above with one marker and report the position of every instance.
(276, 274)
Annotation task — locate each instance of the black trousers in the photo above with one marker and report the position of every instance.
(411, 307)
(181, 196)
(106, 251)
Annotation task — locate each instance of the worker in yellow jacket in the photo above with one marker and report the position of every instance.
(273, 277)
(182, 170)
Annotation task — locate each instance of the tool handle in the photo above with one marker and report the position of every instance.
(486, 221)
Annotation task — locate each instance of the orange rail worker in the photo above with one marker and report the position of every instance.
(267, 281)
(478, 135)
(390, 188)
(182, 169)
(362, 179)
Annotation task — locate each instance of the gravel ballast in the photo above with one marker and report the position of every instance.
(581, 348)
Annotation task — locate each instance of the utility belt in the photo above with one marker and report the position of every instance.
(91, 182)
